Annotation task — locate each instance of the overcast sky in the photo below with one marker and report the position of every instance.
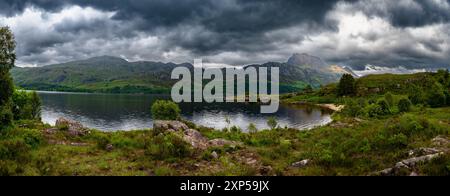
(411, 33)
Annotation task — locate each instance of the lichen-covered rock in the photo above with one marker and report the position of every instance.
(191, 136)
(72, 127)
(214, 155)
(408, 164)
(165, 125)
(300, 164)
(413, 161)
(222, 143)
(440, 141)
(196, 139)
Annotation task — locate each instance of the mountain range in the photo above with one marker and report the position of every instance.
(107, 74)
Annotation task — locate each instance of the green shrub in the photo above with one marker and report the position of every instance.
(447, 97)
(252, 128)
(264, 138)
(409, 124)
(101, 139)
(169, 146)
(436, 98)
(14, 149)
(284, 148)
(389, 99)
(378, 110)
(26, 105)
(404, 105)
(416, 95)
(384, 107)
(235, 129)
(6, 117)
(33, 138)
(35, 104)
(272, 123)
(6, 88)
(165, 110)
(398, 141)
(353, 108)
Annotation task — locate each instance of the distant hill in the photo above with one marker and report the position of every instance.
(108, 74)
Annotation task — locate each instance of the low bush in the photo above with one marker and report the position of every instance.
(168, 146)
(404, 105)
(165, 110)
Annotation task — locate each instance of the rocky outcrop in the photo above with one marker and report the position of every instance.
(420, 155)
(72, 127)
(161, 126)
(196, 139)
(415, 160)
(408, 164)
(440, 141)
(191, 136)
(222, 142)
(306, 59)
(300, 164)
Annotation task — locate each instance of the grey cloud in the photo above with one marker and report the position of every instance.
(232, 31)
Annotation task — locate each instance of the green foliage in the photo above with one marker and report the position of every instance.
(264, 138)
(14, 149)
(389, 99)
(346, 85)
(235, 129)
(404, 105)
(252, 128)
(7, 50)
(16, 145)
(168, 146)
(398, 141)
(284, 148)
(436, 96)
(384, 107)
(354, 108)
(6, 117)
(416, 95)
(26, 105)
(379, 109)
(102, 139)
(272, 123)
(7, 59)
(165, 110)
(411, 125)
(6, 88)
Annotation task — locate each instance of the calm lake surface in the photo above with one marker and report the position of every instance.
(112, 112)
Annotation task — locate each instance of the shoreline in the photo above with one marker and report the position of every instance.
(328, 106)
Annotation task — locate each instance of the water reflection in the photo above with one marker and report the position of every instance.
(128, 112)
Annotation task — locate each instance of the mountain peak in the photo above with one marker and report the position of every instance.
(306, 59)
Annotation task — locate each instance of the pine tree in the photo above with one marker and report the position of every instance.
(346, 85)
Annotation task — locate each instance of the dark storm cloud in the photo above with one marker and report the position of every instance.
(410, 13)
(229, 22)
(229, 31)
(230, 15)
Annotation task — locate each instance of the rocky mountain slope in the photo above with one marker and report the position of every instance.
(115, 75)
